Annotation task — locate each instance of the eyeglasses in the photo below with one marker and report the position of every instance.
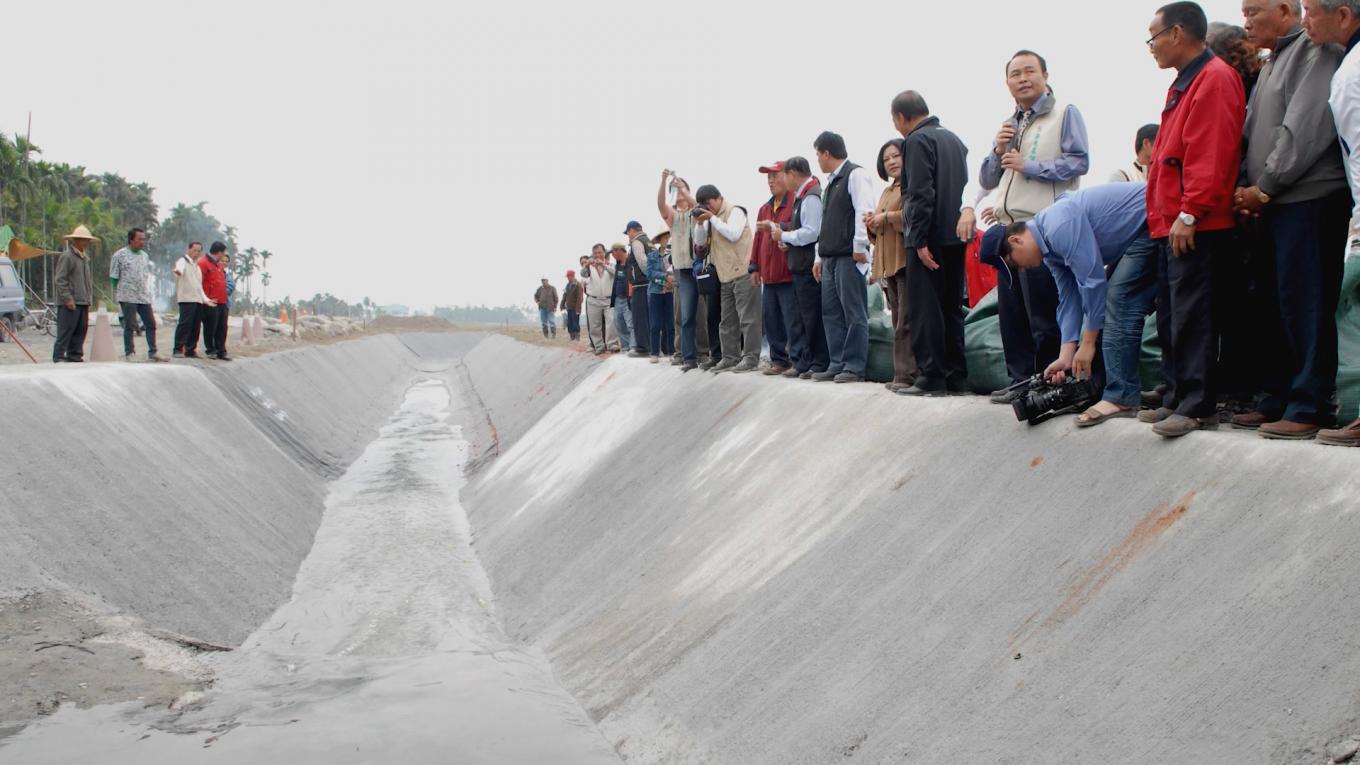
(1153, 38)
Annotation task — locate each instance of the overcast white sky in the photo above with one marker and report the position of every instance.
(452, 153)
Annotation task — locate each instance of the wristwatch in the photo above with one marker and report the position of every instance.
(1187, 219)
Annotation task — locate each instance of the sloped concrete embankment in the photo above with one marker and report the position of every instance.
(740, 570)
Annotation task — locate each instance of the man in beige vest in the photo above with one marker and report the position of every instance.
(1041, 152)
(730, 254)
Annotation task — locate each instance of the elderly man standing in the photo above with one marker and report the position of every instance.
(1337, 22)
(770, 267)
(192, 301)
(1296, 184)
(130, 274)
(798, 240)
(1190, 214)
(75, 293)
(1040, 152)
(546, 298)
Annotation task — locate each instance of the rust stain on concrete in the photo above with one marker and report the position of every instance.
(1133, 547)
(1037, 462)
(606, 381)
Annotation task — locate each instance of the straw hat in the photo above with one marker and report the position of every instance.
(81, 233)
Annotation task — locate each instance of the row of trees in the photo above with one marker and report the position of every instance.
(43, 201)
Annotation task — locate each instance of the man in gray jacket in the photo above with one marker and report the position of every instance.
(75, 293)
(1296, 184)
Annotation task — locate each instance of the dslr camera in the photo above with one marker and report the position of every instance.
(1040, 401)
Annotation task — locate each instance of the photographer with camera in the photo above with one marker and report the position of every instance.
(1077, 238)
(726, 230)
(599, 280)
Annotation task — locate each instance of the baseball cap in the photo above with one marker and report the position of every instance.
(773, 167)
(993, 250)
(632, 224)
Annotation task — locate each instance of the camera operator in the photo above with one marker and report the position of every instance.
(725, 228)
(1076, 239)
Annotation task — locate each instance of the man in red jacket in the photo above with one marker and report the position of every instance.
(215, 288)
(770, 266)
(1190, 216)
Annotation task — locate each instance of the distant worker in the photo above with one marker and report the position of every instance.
(130, 274)
(75, 293)
(546, 298)
(573, 301)
(192, 301)
(1142, 151)
(215, 315)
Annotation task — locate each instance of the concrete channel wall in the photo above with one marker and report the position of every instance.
(740, 570)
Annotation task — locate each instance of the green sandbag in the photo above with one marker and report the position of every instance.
(982, 347)
(1348, 339)
(880, 363)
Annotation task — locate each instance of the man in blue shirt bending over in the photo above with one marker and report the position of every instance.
(1077, 238)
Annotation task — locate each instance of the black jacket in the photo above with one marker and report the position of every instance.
(934, 174)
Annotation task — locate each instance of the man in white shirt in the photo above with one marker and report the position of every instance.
(189, 295)
(843, 260)
(729, 251)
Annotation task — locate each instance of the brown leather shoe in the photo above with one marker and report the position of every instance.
(1154, 416)
(1284, 430)
(1178, 425)
(1250, 420)
(1347, 436)
(774, 371)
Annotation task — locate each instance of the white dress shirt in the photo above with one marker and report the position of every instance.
(732, 230)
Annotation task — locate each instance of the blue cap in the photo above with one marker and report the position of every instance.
(989, 252)
(632, 224)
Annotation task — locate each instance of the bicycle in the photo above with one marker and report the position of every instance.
(44, 321)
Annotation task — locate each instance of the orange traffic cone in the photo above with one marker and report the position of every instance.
(283, 315)
(101, 346)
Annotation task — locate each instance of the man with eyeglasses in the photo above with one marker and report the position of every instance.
(1190, 211)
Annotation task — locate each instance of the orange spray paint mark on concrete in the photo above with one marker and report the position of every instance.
(1138, 542)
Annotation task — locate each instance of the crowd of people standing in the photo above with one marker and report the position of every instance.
(1231, 224)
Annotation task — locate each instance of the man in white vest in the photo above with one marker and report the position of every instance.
(1041, 152)
(726, 230)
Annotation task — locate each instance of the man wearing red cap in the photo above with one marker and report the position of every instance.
(572, 299)
(770, 266)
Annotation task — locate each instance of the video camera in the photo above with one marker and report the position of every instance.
(1040, 401)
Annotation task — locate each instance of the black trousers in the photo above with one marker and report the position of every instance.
(1309, 240)
(816, 355)
(214, 329)
(1188, 321)
(936, 317)
(72, 326)
(1028, 313)
(712, 305)
(187, 329)
(637, 303)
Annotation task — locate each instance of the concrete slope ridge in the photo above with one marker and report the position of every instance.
(739, 570)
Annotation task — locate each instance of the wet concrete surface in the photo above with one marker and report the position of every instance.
(388, 651)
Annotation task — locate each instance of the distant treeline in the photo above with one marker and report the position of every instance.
(481, 314)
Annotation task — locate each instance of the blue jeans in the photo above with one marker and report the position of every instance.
(688, 291)
(623, 323)
(1128, 301)
(783, 325)
(660, 310)
(548, 318)
(130, 313)
(845, 313)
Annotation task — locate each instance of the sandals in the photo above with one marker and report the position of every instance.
(1093, 417)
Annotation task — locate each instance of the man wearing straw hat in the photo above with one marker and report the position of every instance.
(75, 293)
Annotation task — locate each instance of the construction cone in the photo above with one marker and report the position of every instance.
(283, 315)
(245, 330)
(257, 329)
(101, 346)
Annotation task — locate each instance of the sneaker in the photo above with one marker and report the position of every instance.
(708, 365)
(156, 358)
(656, 359)
(689, 366)
(792, 374)
(824, 376)
(745, 366)
(1287, 430)
(849, 377)
(676, 361)
(636, 354)
(1251, 420)
(1178, 425)
(129, 357)
(1006, 396)
(775, 371)
(726, 365)
(893, 386)
(1154, 416)
(806, 375)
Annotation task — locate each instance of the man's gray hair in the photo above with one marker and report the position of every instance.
(1333, 5)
